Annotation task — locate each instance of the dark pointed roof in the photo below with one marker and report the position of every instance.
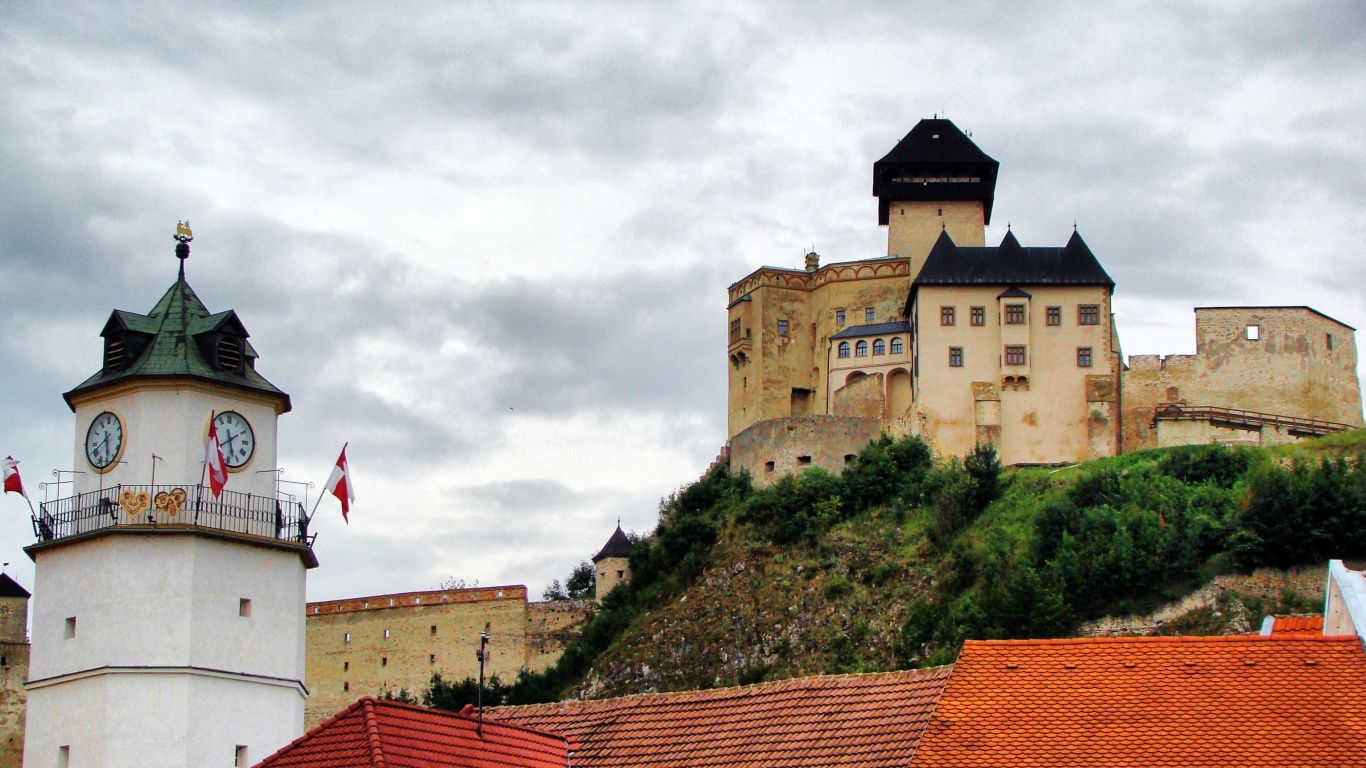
(10, 588)
(168, 342)
(935, 161)
(617, 546)
(1012, 264)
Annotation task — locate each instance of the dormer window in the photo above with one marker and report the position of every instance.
(230, 354)
(113, 353)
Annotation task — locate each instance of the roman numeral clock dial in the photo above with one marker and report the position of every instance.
(235, 438)
(104, 441)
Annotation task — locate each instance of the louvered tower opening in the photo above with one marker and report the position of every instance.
(230, 354)
(113, 353)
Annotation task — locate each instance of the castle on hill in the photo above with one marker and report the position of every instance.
(964, 344)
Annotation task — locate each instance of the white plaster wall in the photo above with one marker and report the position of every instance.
(168, 599)
(173, 423)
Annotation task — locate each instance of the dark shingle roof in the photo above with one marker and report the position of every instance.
(935, 161)
(10, 588)
(617, 546)
(874, 329)
(170, 347)
(1012, 264)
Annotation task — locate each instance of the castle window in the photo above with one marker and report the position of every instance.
(839, 317)
(735, 330)
(861, 349)
(1053, 316)
(946, 316)
(869, 315)
(782, 327)
(1015, 314)
(955, 357)
(1083, 357)
(1254, 332)
(1088, 314)
(229, 354)
(844, 349)
(879, 347)
(1015, 354)
(979, 315)
(898, 346)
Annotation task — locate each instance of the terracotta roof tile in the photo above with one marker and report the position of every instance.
(865, 720)
(386, 734)
(1179, 701)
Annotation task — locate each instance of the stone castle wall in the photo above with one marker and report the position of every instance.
(386, 643)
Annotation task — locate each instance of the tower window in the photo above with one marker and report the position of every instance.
(861, 349)
(879, 347)
(844, 349)
(229, 354)
(1015, 314)
(898, 346)
(782, 327)
(1083, 357)
(955, 357)
(244, 608)
(1053, 316)
(70, 630)
(1015, 354)
(1088, 314)
(869, 315)
(946, 315)
(979, 315)
(839, 317)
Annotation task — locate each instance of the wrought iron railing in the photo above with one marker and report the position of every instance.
(1183, 412)
(149, 506)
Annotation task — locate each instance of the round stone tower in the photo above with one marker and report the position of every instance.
(168, 614)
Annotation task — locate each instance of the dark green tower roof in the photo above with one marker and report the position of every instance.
(179, 338)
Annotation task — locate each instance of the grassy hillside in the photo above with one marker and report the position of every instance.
(895, 563)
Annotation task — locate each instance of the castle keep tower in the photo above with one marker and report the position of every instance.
(168, 622)
(934, 180)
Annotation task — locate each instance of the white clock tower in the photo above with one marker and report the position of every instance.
(168, 623)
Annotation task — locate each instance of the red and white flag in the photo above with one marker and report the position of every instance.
(13, 484)
(339, 485)
(213, 460)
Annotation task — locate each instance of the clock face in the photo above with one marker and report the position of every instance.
(104, 441)
(235, 438)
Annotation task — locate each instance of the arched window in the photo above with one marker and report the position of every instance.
(897, 346)
(844, 349)
(861, 349)
(879, 347)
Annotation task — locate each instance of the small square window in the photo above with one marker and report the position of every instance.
(979, 315)
(1083, 357)
(1088, 314)
(869, 315)
(1015, 354)
(244, 607)
(955, 357)
(1015, 314)
(1254, 332)
(946, 315)
(240, 756)
(1053, 316)
(839, 317)
(70, 627)
(782, 327)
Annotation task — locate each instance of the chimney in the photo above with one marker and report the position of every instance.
(813, 261)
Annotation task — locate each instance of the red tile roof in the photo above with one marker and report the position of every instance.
(832, 720)
(1168, 701)
(374, 733)
(1297, 625)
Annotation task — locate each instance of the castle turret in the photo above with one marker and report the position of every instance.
(168, 623)
(613, 563)
(934, 180)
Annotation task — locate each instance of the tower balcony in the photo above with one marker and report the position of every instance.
(175, 509)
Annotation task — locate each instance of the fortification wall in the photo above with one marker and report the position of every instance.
(369, 645)
(777, 447)
(1300, 363)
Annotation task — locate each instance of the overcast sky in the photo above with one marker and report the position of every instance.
(488, 244)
